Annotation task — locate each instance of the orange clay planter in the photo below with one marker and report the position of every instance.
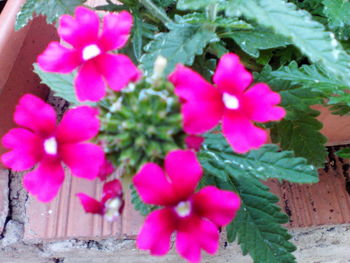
(18, 51)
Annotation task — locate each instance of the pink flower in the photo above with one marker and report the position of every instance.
(230, 101)
(89, 52)
(41, 141)
(194, 142)
(194, 216)
(106, 170)
(111, 204)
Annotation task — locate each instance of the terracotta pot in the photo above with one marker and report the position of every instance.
(18, 51)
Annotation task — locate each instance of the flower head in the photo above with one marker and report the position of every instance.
(41, 141)
(230, 101)
(111, 204)
(194, 216)
(89, 52)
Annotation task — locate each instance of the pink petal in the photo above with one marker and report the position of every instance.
(84, 159)
(90, 204)
(79, 124)
(184, 171)
(217, 205)
(194, 142)
(89, 83)
(202, 106)
(153, 187)
(81, 30)
(118, 70)
(106, 170)
(156, 231)
(241, 133)
(45, 181)
(195, 234)
(116, 30)
(262, 101)
(231, 76)
(33, 113)
(112, 189)
(57, 58)
(26, 149)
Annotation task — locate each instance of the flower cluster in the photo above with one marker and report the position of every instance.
(195, 217)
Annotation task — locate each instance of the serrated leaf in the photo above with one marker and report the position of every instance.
(337, 12)
(180, 45)
(266, 162)
(52, 9)
(294, 97)
(301, 133)
(344, 153)
(61, 84)
(311, 76)
(257, 225)
(308, 35)
(194, 4)
(251, 41)
(140, 206)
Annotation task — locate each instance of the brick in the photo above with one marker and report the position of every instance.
(4, 190)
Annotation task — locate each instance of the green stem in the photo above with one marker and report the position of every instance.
(157, 12)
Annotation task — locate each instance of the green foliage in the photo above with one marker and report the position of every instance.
(257, 226)
(266, 162)
(300, 132)
(140, 124)
(140, 206)
(308, 35)
(344, 153)
(180, 45)
(61, 84)
(52, 9)
(194, 4)
(337, 12)
(311, 76)
(251, 41)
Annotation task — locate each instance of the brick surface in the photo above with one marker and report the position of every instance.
(4, 176)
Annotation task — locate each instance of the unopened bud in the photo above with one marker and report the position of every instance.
(159, 66)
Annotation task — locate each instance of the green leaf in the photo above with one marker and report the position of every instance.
(180, 45)
(140, 206)
(300, 132)
(61, 84)
(164, 3)
(311, 76)
(337, 12)
(344, 153)
(52, 9)
(266, 162)
(257, 225)
(194, 4)
(308, 35)
(251, 41)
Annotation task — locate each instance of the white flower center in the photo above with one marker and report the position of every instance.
(50, 146)
(231, 102)
(91, 51)
(113, 209)
(183, 208)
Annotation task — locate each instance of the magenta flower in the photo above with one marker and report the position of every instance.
(89, 52)
(194, 216)
(111, 204)
(229, 101)
(194, 142)
(41, 141)
(106, 170)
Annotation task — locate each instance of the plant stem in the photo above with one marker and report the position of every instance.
(157, 12)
